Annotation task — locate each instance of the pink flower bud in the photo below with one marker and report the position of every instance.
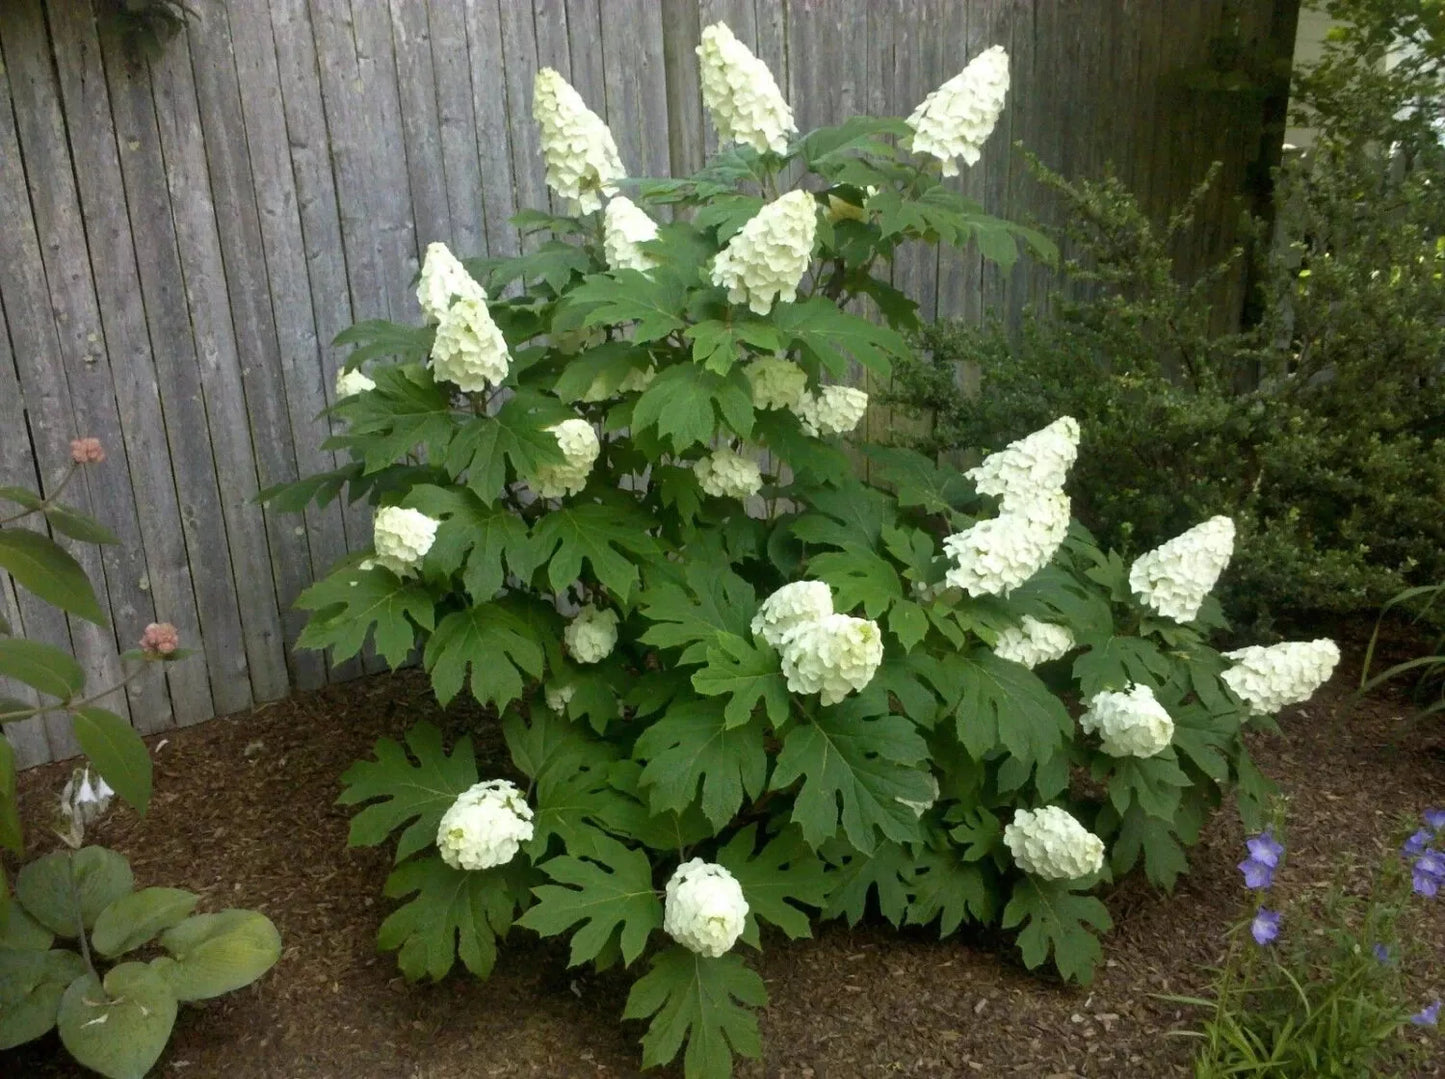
(86, 451)
(160, 639)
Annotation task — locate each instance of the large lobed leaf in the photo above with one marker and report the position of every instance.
(452, 913)
(609, 895)
(1053, 919)
(352, 603)
(694, 746)
(489, 644)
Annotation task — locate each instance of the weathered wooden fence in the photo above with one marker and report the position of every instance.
(181, 238)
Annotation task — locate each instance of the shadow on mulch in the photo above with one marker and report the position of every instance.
(244, 814)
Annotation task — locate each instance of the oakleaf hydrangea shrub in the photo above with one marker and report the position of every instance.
(739, 686)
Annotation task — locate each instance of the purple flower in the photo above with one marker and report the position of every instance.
(1427, 1017)
(1257, 874)
(1381, 953)
(1416, 844)
(1429, 873)
(1265, 848)
(1435, 819)
(1265, 926)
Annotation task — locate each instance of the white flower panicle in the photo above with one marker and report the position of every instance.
(350, 383)
(559, 697)
(776, 382)
(1175, 577)
(1034, 465)
(624, 226)
(591, 635)
(579, 445)
(789, 607)
(1131, 723)
(1268, 678)
(1032, 642)
(725, 474)
(1049, 843)
(582, 159)
(401, 538)
(767, 258)
(469, 350)
(704, 909)
(995, 556)
(485, 826)
(833, 410)
(740, 93)
(443, 280)
(956, 119)
(834, 655)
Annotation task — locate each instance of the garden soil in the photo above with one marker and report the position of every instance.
(244, 814)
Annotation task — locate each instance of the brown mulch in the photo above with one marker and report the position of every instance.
(244, 814)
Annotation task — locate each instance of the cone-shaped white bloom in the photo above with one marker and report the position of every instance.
(776, 382)
(485, 826)
(1273, 677)
(1175, 577)
(469, 350)
(582, 159)
(834, 656)
(996, 556)
(591, 636)
(443, 280)
(725, 474)
(1035, 464)
(740, 93)
(704, 909)
(1032, 642)
(833, 410)
(1130, 724)
(350, 383)
(401, 538)
(579, 445)
(956, 119)
(764, 262)
(624, 226)
(789, 607)
(1049, 843)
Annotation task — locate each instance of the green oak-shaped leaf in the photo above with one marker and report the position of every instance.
(693, 745)
(855, 874)
(609, 894)
(942, 885)
(488, 643)
(999, 703)
(778, 880)
(353, 602)
(748, 674)
(700, 1001)
(1052, 918)
(452, 913)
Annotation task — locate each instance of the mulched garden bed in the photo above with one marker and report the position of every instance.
(244, 814)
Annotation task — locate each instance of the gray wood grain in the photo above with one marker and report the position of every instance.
(636, 82)
(460, 160)
(421, 120)
(489, 108)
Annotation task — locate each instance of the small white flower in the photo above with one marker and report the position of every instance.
(485, 826)
(402, 537)
(790, 606)
(580, 446)
(776, 382)
(997, 555)
(624, 226)
(1035, 465)
(350, 383)
(559, 697)
(1175, 577)
(725, 474)
(764, 262)
(704, 909)
(1273, 677)
(591, 635)
(1033, 642)
(1131, 723)
(833, 656)
(469, 350)
(83, 801)
(956, 119)
(443, 280)
(740, 93)
(1049, 843)
(582, 159)
(833, 410)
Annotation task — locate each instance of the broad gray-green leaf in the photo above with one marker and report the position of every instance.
(136, 918)
(121, 1029)
(31, 985)
(44, 887)
(20, 931)
(216, 953)
(39, 565)
(41, 666)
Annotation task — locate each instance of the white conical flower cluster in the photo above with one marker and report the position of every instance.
(704, 909)
(591, 635)
(956, 119)
(485, 826)
(559, 697)
(833, 410)
(469, 350)
(995, 556)
(582, 159)
(1034, 465)
(789, 607)
(1268, 678)
(350, 383)
(1131, 723)
(579, 445)
(1049, 843)
(764, 262)
(1175, 577)
(401, 538)
(443, 280)
(740, 93)
(1032, 642)
(776, 382)
(725, 474)
(833, 656)
(624, 226)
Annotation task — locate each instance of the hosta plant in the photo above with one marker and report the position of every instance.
(739, 684)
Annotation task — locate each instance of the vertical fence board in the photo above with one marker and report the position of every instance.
(421, 120)
(636, 82)
(489, 104)
(459, 160)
